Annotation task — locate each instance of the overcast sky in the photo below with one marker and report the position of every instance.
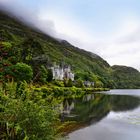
(110, 28)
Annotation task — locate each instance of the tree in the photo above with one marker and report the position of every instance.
(43, 74)
(21, 72)
(68, 83)
(9, 56)
(31, 48)
(79, 83)
(98, 84)
(50, 75)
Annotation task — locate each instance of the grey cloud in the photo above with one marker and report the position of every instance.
(28, 16)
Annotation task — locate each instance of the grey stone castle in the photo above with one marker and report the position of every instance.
(62, 72)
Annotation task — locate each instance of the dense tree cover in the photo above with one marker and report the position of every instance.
(79, 83)
(22, 72)
(10, 66)
(125, 77)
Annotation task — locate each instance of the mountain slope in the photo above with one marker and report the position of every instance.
(125, 77)
(36, 48)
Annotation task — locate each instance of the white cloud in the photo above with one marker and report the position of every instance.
(66, 26)
(28, 15)
(123, 47)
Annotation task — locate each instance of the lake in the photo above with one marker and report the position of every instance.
(112, 115)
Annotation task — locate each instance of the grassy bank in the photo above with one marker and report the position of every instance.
(68, 91)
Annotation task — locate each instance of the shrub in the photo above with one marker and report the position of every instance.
(79, 83)
(50, 75)
(58, 83)
(44, 74)
(98, 84)
(69, 83)
(21, 72)
(28, 116)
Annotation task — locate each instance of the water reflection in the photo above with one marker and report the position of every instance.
(124, 102)
(92, 108)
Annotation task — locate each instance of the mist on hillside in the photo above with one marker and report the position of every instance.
(28, 16)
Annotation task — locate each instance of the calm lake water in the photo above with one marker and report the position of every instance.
(113, 115)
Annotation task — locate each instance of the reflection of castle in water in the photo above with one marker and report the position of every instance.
(87, 98)
(69, 104)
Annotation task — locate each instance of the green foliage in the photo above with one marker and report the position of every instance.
(22, 72)
(50, 75)
(9, 52)
(43, 75)
(30, 49)
(68, 83)
(79, 83)
(98, 84)
(86, 76)
(125, 77)
(58, 83)
(9, 56)
(29, 116)
(7, 45)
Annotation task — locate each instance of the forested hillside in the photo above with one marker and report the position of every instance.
(22, 43)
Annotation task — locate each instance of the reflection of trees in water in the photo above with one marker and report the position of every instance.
(124, 102)
(92, 108)
(89, 109)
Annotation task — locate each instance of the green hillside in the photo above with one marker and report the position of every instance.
(126, 77)
(31, 46)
